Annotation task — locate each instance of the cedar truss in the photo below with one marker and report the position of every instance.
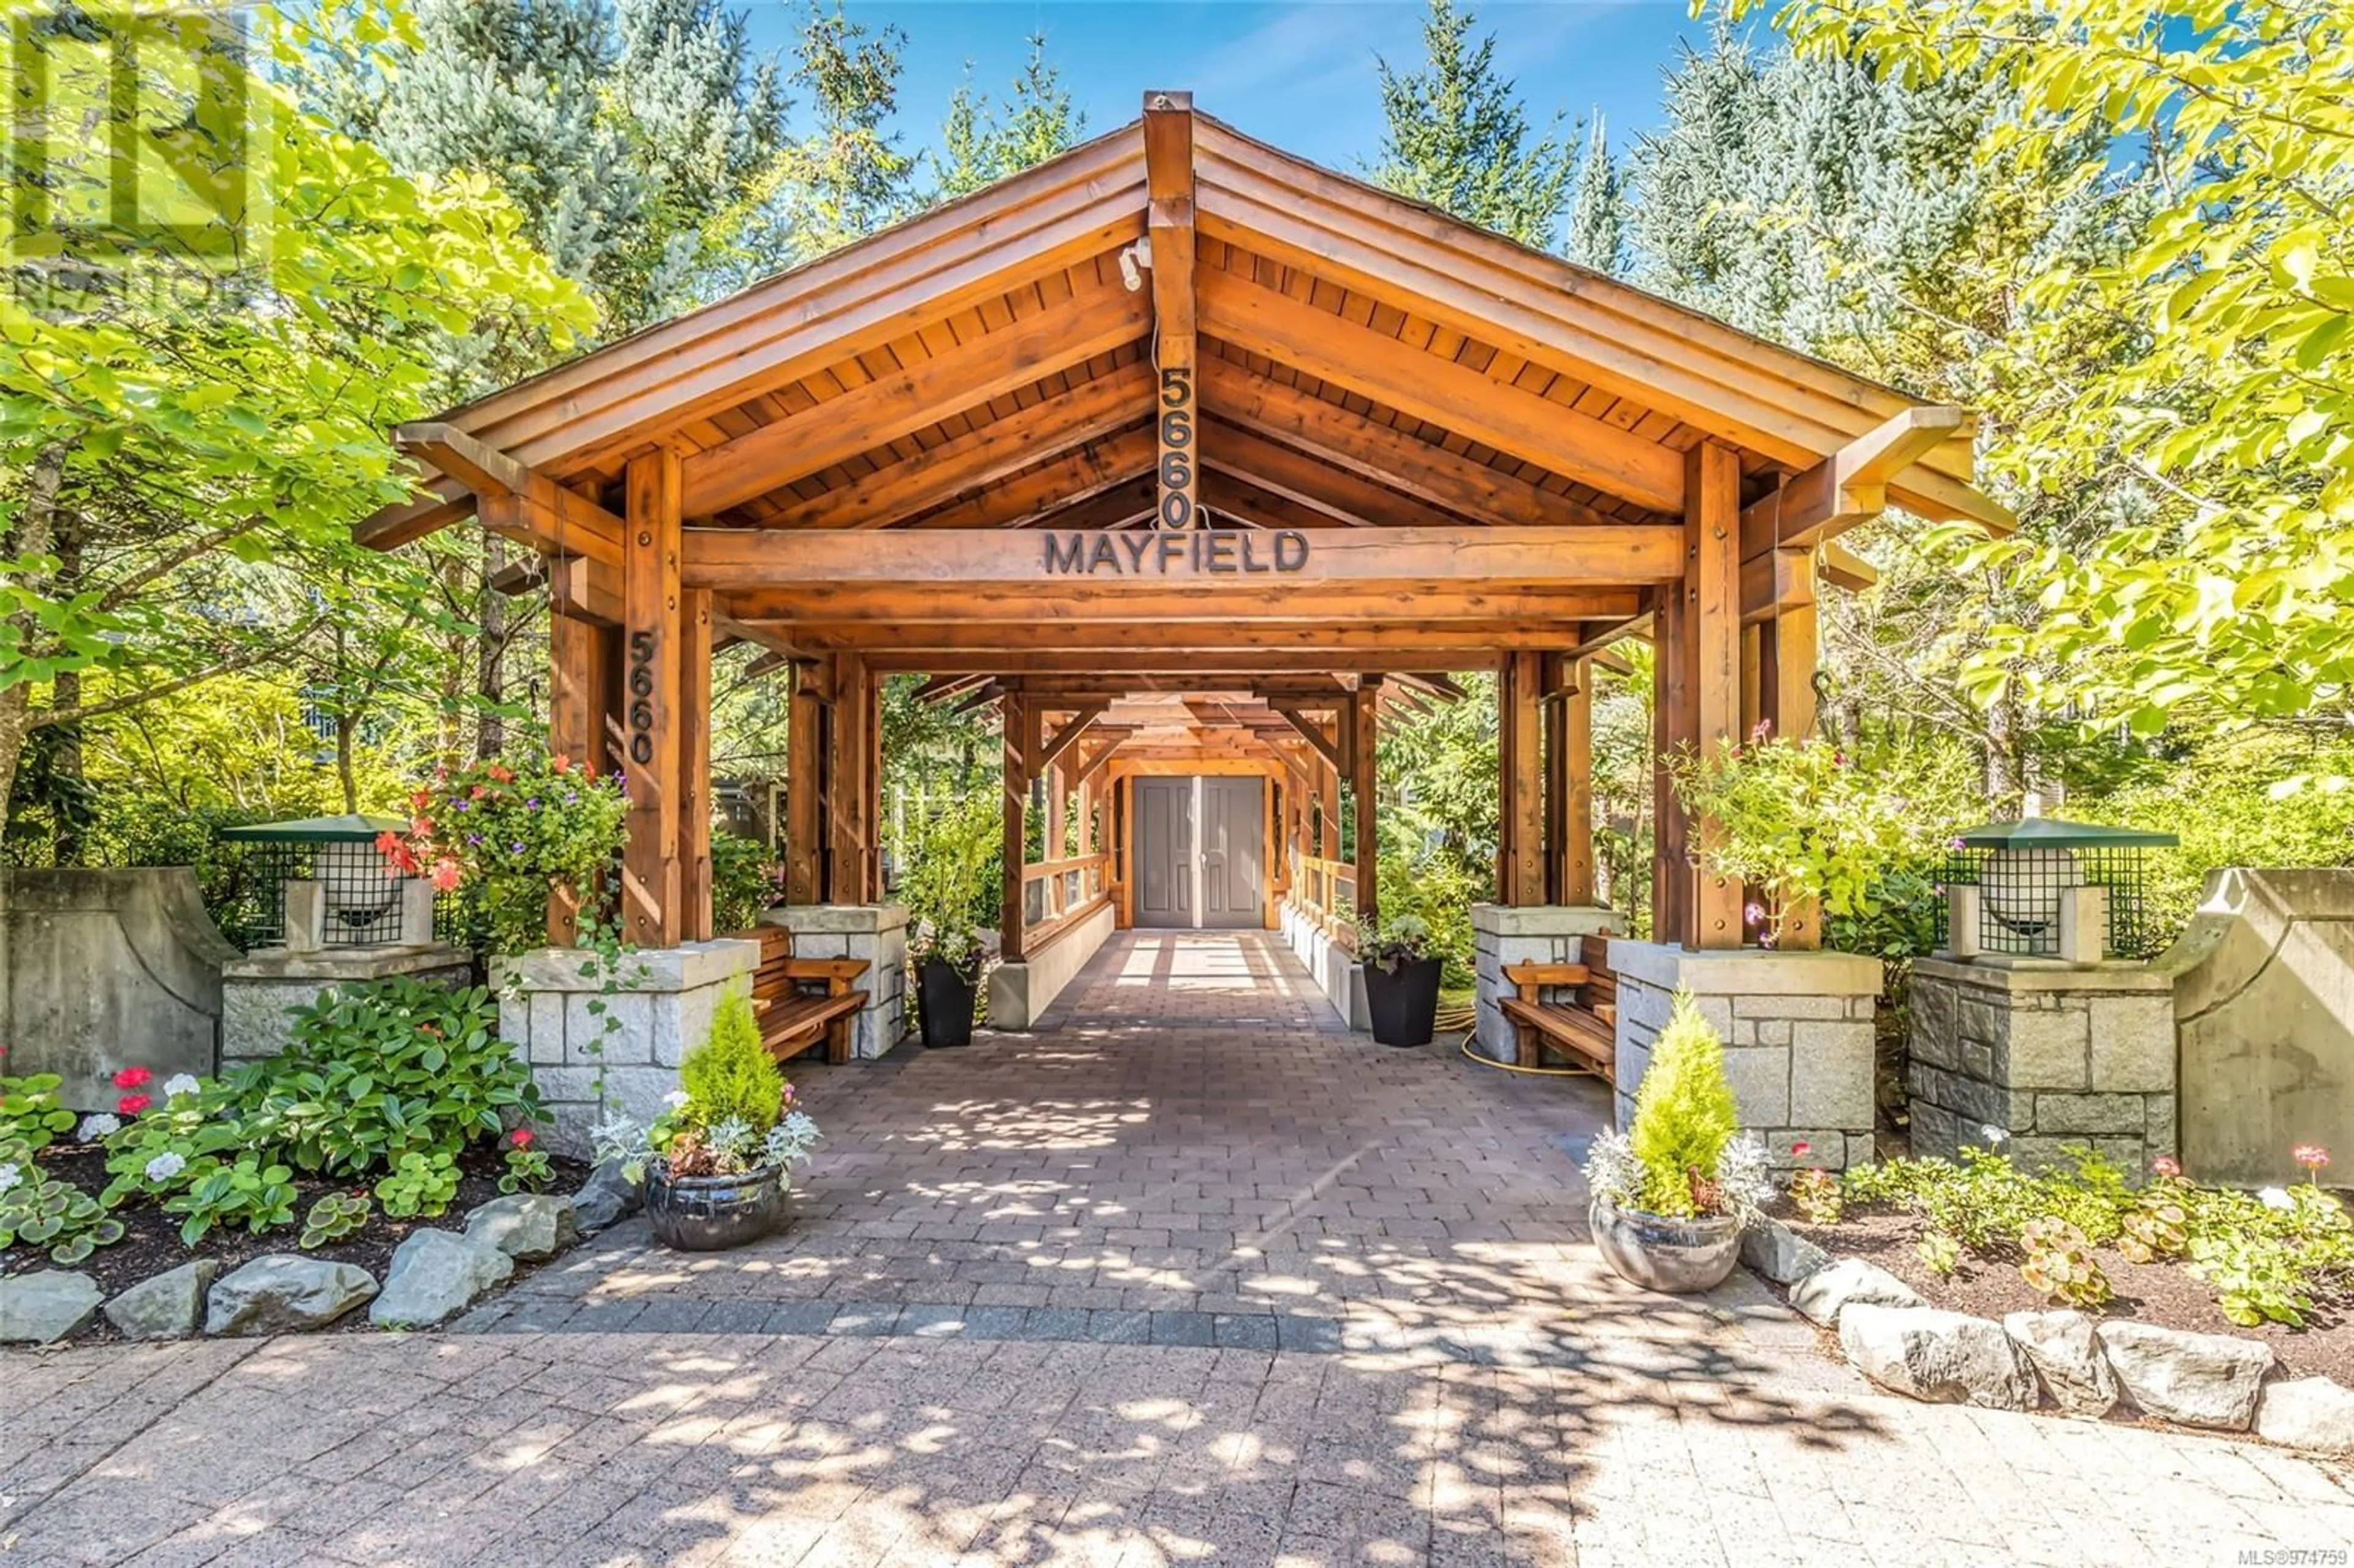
(1465, 449)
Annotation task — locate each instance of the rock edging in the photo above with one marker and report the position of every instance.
(2082, 1365)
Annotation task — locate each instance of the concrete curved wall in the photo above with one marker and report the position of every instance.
(104, 970)
(2264, 1006)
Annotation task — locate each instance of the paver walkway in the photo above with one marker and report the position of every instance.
(1192, 1277)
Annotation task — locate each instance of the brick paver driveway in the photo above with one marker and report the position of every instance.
(1189, 1276)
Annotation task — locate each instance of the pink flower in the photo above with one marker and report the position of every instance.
(447, 873)
(1801, 1148)
(520, 1137)
(132, 1105)
(132, 1077)
(2312, 1156)
(2166, 1165)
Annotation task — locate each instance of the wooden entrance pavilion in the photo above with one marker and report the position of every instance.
(1195, 458)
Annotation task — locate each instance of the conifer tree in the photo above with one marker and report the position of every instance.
(982, 141)
(1458, 136)
(1596, 237)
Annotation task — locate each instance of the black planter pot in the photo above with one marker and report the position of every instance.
(712, 1214)
(1404, 1006)
(948, 1002)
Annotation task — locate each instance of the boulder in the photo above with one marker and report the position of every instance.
(435, 1275)
(1823, 1294)
(1779, 1253)
(169, 1306)
(2308, 1412)
(45, 1306)
(285, 1292)
(2065, 1348)
(607, 1198)
(528, 1225)
(2197, 1379)
(1945, 1357)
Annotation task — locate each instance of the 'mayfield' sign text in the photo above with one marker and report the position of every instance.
(1177, 551)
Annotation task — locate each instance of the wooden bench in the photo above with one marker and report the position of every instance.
(1584, 1029)
(800, 1001)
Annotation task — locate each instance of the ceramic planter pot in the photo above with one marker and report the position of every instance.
(1658, 1252)
(712, 1214)
(1404, 1004)
(947, 1018)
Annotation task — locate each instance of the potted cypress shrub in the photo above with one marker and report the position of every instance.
(947, 880)
(717, 1161)
(1401, 976)
(1672, 1193)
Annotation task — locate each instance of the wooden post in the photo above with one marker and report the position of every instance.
(1021, 722)
(1168, 192)
(1057, 837)
(650, 662)
(1364, 705)
(1569, 782)
(1671, 876)
(852, 806)
(1519, 874)
(695, 766)
(1787, 684)
(1328, 812)
(579, 654)
(805, 784)
(1712, 582)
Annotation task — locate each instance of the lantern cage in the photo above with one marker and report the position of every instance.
(361, 892)
(2029, 877)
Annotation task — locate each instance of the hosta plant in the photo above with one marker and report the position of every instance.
(41, 1211)
(251, 1190)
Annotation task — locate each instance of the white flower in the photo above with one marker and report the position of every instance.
(94, 1128)
(165, 1166)
(676, 1099)
(180, 1084)
(10, 1176)
(1993, 1134)
(2275, 1198)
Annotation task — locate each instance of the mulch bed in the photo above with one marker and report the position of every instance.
(2162, 1293)
(152, 1245)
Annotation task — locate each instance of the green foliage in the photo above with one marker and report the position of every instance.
(2227, 380)
(743, 882)
(47, 1211)
(731, 1076)
(1684, 1113)
(2268, 1257)
(30, 1116)
(421, 1183)
(334, 1217)
(515, 830)
(1404, 939)
(2059, 1262)
(1939, 1253)
(527, 1169)
(1799, 820)
(1455, 134)
(981, 142)
(1437, 823)
(251, 1189)
(956, 865)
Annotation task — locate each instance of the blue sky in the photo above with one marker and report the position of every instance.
(1298, 74)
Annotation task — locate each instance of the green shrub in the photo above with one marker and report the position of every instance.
(731, 1077)
(743, 882)
(952, 887)
(1684, 1114)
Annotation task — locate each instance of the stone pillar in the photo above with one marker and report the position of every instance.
(260, 989)
(876, 932)
(1798, 1031)
(1524, 934)
(2045, 1053)
(662, 1010)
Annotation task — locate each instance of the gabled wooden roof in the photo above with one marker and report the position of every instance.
(1364, 360)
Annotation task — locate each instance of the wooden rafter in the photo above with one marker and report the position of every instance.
(514, 501)
(1052, 747)
(1848, 486)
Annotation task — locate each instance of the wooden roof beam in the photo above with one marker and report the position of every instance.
(1848, 486)
(1097, 318)
(1454, 397)
(514, 501)
(1375, 452)
(1063, 739)
(1169, 231)
(438, 503)
(1081, 474)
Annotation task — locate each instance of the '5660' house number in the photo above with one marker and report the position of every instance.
(643, 647)
(1176, 442)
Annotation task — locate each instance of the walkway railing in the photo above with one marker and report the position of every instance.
(1058, 893)
(1326, 890)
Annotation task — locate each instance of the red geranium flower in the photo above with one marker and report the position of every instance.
(1801, 1150)
(132, 1077)
(560, 763)
(447, 873)
(520, 1137)
(132, 1105)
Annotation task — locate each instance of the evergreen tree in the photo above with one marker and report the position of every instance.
(626, 130)
(1597, 213)
(847, 177)
(1458, 136)
(981, 143)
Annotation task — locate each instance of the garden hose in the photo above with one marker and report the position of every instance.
(1469, 1055)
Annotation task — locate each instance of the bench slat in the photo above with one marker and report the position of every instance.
(1577, 1032)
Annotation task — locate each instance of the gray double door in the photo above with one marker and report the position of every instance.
(1199, 853)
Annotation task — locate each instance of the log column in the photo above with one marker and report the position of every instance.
(1361, 726)
(1022, 741)
(695, 766)
(581, 719)
(805, 783)
(1520, 871)
(652, 666)
(1787, 656)
(853, 803)
(1697, 696)
(1569, 782)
